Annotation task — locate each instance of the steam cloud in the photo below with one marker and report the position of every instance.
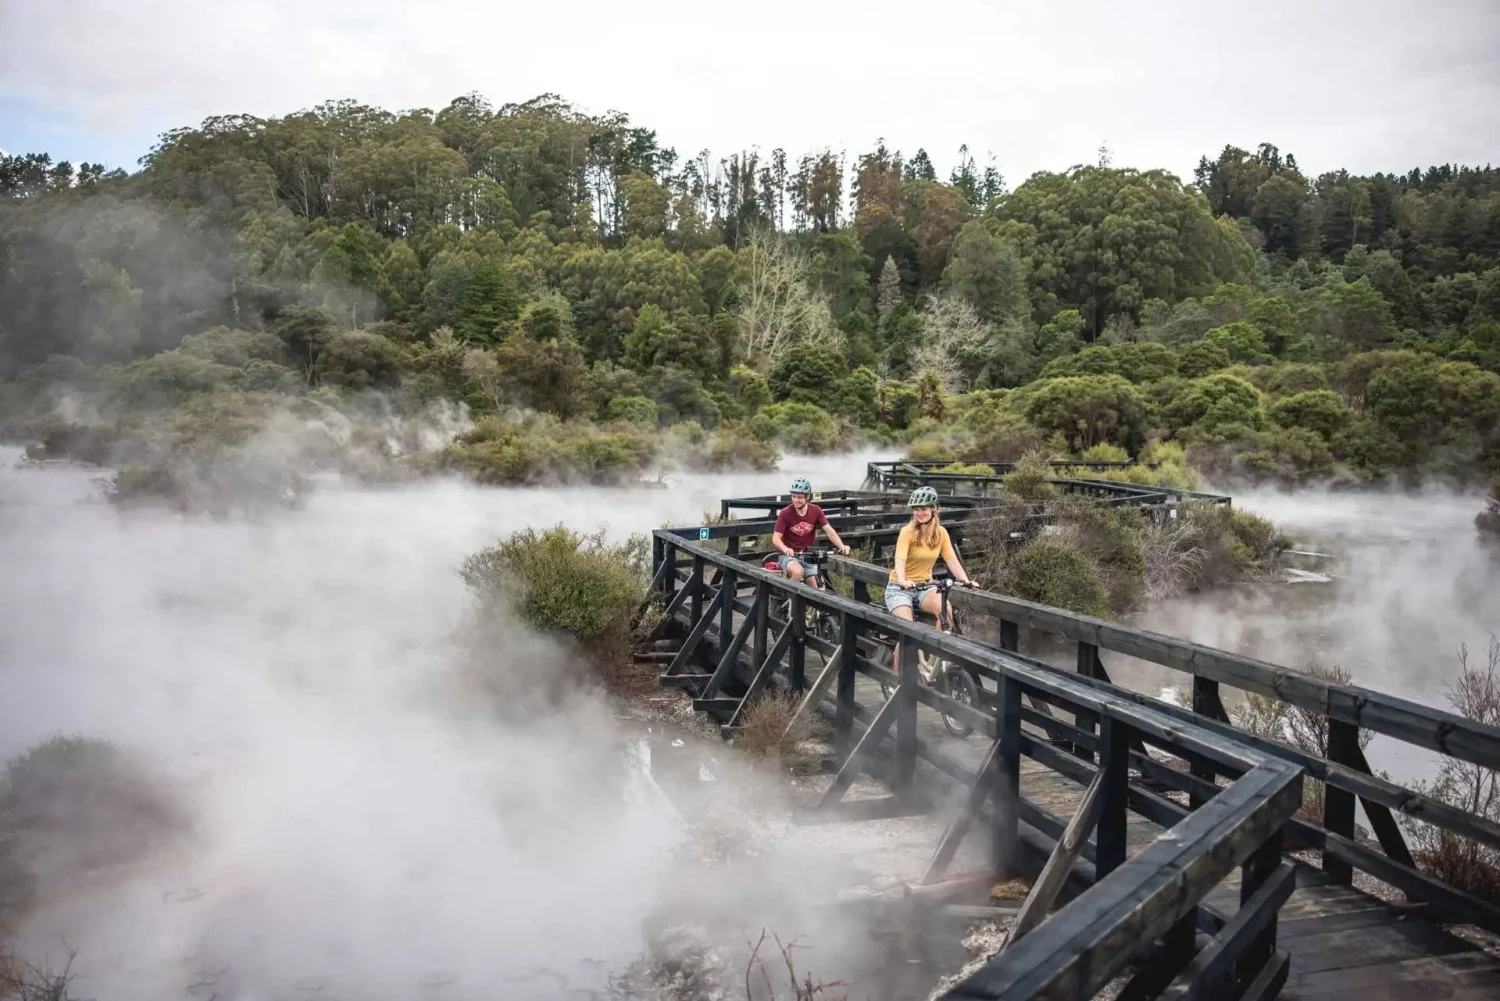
(364, 818)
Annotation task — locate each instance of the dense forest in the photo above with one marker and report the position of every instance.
(597, 302)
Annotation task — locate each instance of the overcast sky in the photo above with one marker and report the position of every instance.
(1364, 84)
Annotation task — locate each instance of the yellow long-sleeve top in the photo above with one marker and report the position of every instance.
(920, 559)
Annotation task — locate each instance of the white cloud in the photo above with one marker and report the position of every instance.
(1367, 85)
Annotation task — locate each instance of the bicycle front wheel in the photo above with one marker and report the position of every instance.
(961, 689)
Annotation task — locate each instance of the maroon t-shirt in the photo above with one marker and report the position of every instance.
(798, 530)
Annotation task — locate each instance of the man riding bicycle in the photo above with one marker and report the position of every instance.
(796, 527)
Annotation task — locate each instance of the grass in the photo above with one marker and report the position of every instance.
(767, 731)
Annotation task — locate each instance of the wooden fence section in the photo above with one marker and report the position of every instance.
(1145, 911)
(752, 630)
(900, 475)
(1348, 709)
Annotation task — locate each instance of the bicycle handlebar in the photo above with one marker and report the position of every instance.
(942, 584)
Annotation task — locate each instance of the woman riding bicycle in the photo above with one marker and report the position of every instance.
(796, 527)
(918, 547)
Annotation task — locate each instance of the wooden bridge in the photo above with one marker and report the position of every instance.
(1164, 831)
(901, 475)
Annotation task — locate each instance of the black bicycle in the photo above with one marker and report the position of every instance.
(957, 681)
(818, 621)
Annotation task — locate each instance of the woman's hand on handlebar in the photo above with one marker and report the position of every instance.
(971, 584)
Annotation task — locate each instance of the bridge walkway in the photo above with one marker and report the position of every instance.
(1334, 939)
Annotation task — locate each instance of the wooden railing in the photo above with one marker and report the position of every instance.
(1341, 765)
(901, 475)
(1145, 910)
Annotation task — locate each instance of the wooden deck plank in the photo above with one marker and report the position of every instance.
(1468, 975)
(1372, 945)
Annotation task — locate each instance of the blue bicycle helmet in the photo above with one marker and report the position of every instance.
(801, 486)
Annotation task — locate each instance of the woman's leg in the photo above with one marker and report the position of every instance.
(900, 612)
(932, 604)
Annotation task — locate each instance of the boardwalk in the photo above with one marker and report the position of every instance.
(1182, 808)
(1344, 943)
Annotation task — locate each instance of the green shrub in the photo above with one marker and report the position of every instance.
(1030, 480)
(730, 449)
(1214, 404)
(635, 410)
(358, 359)
(1488, 520)
(928, 450)
(999, 435)
(800, 427)
(968, 468)
(544, 450)
(1112, 538)
(1320, 410)
(235, 348)
(563, 582)
(1231, 544)
(86, 803)
(1052, 571)
(1105, 453)
(1201, 358)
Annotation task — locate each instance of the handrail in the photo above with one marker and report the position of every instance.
(1135, 901)
(889, 475)
(1342, 767)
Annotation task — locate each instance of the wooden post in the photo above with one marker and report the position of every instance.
(906, 717)
(1338, 805)
(1206, 702)
(797, 658)
(1258, 868)
(658, 555)
(669, 582)
(1109, 841)
(861, 592)
(843, 718)
(1084, 720)
(695, 603)
(727, 582)
(760, 618)
(1005, 780)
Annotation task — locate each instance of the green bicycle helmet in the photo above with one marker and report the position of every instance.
(801, 486)
(923, 497)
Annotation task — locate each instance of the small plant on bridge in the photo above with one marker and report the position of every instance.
(566, 583)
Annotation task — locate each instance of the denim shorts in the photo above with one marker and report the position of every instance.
(896, 596)
(782, 560)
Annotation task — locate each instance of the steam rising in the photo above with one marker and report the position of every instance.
(364, 816)
(370, 824)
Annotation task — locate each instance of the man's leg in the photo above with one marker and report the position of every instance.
(794, 569)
